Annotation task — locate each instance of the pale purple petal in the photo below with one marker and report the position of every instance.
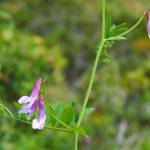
(32, 110)
(27, 108)
(40, 121)
(148, 28)
(24, 109)
(34, 94)
(36, 89)
(148, 24)
(36, 124)
(24, 99)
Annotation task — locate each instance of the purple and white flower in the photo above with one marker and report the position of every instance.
(34, 94)
(39, 122)
(31, 103)
(148, 24)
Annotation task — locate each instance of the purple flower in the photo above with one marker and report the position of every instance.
(34, 94)
(40, 121)
(148, 24)
(30, 102)
(33, 102)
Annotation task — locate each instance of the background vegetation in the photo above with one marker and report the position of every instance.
(57, 39)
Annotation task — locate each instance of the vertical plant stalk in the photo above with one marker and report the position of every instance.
(88, 92)
(76, 141)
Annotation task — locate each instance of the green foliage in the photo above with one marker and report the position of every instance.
(68, 114)
(114, 31)
(60, 114)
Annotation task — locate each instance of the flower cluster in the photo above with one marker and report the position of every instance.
(32, 103)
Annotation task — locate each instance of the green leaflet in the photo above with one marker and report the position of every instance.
(112, 30)
(118, 29)
(67, 114)
(58, 113)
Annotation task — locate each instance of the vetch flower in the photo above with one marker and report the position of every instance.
(148, 24)
(39, 122)
(31, 103)
(34, 94)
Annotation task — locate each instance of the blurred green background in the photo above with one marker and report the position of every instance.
(57, 39)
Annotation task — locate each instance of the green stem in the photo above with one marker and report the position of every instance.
(47, 127)
(103, 19)
(76, 142)
(88, 92)
(90, 83)
(7, 110)
(44, 89)
(132, 28)
(87, 95)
